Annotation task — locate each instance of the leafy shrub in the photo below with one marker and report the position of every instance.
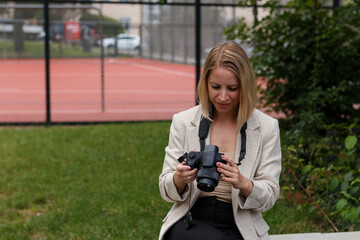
(330, 183)
(308, 56)
(110, 25)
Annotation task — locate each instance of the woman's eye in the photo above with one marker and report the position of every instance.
(233, 89)
(215, 87)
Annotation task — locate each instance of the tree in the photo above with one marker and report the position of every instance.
(310, 58)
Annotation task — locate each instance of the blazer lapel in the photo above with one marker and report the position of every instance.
(253, 139)
(193, 142)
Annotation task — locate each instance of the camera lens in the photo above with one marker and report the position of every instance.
(206, 184)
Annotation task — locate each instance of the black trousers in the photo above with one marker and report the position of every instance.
(212, 220)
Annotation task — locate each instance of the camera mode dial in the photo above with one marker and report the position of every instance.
(192, 155)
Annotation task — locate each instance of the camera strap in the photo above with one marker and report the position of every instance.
(204, 131)
(243, 143)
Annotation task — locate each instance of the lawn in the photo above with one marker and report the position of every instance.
(94, 182)
(36, 49)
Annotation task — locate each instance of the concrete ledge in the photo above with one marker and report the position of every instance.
(318, 236)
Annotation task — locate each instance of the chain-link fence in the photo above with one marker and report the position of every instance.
(108, 60)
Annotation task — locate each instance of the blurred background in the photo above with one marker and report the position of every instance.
(92, 71)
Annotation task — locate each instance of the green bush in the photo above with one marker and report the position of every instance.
(331, 182)
(308, 56)
(110, 25)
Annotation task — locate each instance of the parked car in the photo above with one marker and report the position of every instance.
(124, 41)
(56, 32)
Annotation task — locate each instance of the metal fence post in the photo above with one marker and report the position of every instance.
(47, 61)
(116, 47)
(197, 41)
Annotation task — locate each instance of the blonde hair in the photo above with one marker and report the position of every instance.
(231, 56)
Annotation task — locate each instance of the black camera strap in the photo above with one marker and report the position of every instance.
(243, 143)
(204, 131)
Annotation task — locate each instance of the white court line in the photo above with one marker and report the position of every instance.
(22, 111)
(57, 74)
(90, 91)
(39, 74)
(145, 110)
(136, 74)
(82, 111)
(140, 65)
(97, 103)
(164, 70)
(77, 61)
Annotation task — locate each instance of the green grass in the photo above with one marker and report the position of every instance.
(93, 182)
(36, 49)
(286, 218)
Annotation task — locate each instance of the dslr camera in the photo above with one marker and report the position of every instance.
(207, 176)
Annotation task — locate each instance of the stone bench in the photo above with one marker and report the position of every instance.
(318, 236)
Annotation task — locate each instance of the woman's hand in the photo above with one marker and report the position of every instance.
(232, 175)
(183, 175)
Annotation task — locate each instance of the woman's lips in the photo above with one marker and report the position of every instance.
(223, 105)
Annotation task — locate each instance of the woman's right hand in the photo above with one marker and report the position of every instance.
(183, 175)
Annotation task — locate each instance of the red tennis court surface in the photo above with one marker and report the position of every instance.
(134, 90)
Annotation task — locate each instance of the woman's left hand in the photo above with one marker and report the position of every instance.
(232, 175)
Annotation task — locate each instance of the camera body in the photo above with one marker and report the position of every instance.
(207, 177)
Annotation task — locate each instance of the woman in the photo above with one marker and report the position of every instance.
(227, 97)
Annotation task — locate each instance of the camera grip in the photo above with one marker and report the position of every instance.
(183, 157)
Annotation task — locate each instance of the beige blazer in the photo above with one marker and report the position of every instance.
(262, 164)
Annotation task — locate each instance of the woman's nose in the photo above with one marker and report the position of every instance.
(223, 95)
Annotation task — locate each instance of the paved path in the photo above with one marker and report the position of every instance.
(318, 236)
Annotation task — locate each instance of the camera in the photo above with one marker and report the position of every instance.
(207, 177)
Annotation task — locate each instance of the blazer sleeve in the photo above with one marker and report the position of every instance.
(266, 179)
(173, 151)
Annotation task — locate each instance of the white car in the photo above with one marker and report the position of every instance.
(124, 42)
